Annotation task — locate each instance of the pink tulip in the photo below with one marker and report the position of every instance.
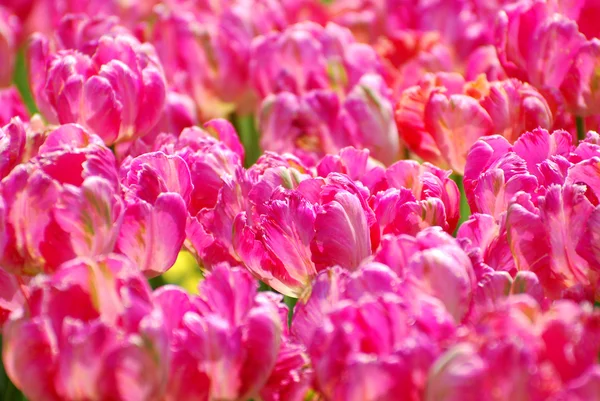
(357, 165)
(88, 332)
(309, 57)
(61, 204)
(432, 263)
(313, 125)
(516, 351)
(211, 232)
(115, 89)
(417, 196)
(208, 159)
(367, 342)
(513, 106)
(296, 233)
(544, 240)
(536, 44)
(580, 87)
(430, 115)
(9, 37)
(157, 188)
(369, 119)
(496, 171)
(225, 341)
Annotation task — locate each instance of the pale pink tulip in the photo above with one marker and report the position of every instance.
(157, 189)
(90, 331)
(61, 204)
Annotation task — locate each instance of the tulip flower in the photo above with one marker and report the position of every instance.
(351, 359)
(434, 263)
(442, 117)
(494, 363)
(417, 196)
(580, 84)
(537, 44)
(114, 87)
(90, 331)
(225, 341)
(157, 189)
(61, 204)
(296, 233)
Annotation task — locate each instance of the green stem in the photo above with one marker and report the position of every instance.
(580, 123)
(465, 210)
(246, 129)
(290, 302)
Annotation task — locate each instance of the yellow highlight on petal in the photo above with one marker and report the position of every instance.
(185, 272)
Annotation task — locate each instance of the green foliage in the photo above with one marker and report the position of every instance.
(246, 129)
(20, 80)
(465, 210)
(8, 391)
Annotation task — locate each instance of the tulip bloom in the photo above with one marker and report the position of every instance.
(157, 188)
(442, 117)
(61, 204)
(90, 331)
(544, 361)
(298, 232)
(417, 196)
(225, 341)
(365, 339)
(112, 84)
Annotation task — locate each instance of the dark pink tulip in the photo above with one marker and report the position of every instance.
(225, 341)
(365, 339)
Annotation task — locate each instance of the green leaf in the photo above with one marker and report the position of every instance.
(8, 391)
(22, 84)
(465, 210)
(246, 129)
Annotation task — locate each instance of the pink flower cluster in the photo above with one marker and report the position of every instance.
(404, 206)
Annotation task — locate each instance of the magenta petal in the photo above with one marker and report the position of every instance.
(102, 110)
